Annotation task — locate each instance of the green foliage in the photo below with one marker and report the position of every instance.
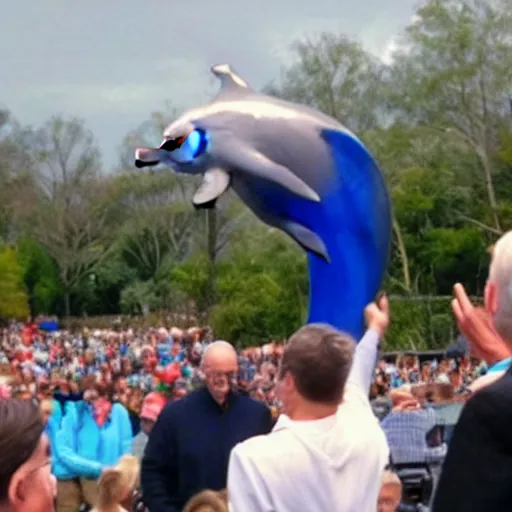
(137, 296)
(40, 276)
(13, 298)
(192, 278)
(262, 291)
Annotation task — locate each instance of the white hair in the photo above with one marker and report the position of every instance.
(500, 275)
(217, 344)
(390, 478)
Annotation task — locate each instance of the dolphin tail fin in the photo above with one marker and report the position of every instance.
(306, 238)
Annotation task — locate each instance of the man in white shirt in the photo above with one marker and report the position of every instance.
(327, 452)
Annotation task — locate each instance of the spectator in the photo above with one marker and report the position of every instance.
(117, 485)
(26, 482)
(408, 428)
(189, 447)
(208, 501)
(328, 453)
(390, 494)
(151, 409)
(93, 435)
(477, 472)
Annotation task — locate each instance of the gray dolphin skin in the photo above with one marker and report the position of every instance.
(256, 144)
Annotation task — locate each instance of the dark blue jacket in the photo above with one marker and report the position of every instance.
(189, 446)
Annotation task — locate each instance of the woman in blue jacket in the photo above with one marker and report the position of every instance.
(53, 414)
(93, 435)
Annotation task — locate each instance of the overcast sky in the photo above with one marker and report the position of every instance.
(113, 62)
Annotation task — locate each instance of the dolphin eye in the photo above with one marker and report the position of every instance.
(196, 142)
(186, 149)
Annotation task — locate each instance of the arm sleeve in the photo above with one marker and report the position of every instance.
(246, 487)
(365, 357)
(65, 449)
(159, 475)
(476, 452)
(125, 431)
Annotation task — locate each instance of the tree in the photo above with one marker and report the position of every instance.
(262, 289)
(454, 76)
(40, 276)
(216, 231)
(159, 219)
(69, 213)
(338, 77)
(14, 165)
(13, 299)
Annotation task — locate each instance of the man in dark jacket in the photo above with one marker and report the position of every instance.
(477, 475)
(189, 447)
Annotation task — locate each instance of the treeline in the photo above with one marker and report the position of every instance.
(81, 240)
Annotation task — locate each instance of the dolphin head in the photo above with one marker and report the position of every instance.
(207, 140)
(184, 149)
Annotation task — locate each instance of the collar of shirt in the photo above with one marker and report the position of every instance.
(285, 422)
(230, 400)
(502, 365)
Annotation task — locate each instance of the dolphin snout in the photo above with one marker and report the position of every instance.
(146, 157)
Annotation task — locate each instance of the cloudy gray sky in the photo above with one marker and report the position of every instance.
(113, 62)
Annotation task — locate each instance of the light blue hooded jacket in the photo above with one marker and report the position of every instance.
(84, 448)
(60, 471)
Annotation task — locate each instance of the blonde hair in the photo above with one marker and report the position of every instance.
(390, 478)
(118, 483)
(208, 501)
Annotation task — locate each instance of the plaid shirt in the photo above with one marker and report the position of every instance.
(406, 432)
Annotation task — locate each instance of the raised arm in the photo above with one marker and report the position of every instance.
(365, 356)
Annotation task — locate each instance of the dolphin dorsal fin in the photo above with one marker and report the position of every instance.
(230, 82)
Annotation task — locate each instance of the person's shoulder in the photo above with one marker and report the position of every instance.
(491, 401)
(252, 405)
(174, 407)
(271, 446)
(119, 408)
(500, 390)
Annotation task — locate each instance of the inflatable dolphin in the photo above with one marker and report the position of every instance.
(300, 171)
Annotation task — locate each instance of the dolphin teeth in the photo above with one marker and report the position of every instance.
(215, 182)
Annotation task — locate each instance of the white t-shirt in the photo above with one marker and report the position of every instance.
(330, 465)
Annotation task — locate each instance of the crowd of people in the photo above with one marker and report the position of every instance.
(168, 419)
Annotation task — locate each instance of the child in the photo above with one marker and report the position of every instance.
(116, 486)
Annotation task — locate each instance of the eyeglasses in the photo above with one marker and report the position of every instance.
(217, 375)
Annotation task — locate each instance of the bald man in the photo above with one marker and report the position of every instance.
(188, 449)
(477, 472)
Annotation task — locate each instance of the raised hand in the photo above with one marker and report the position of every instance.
(477, 326)
(377, 315)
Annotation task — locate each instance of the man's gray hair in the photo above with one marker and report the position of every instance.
(500, 275)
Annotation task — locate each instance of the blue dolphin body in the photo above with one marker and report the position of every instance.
(300, 171)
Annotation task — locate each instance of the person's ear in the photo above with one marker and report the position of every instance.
(491, 298)
(289, 383)
(16, 491)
